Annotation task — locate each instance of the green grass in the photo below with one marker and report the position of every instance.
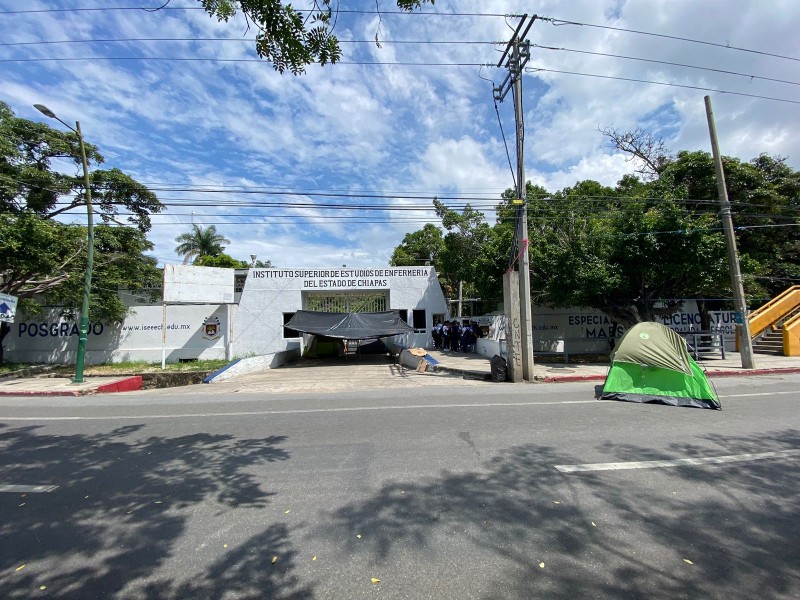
(147, 367)
(9, 367)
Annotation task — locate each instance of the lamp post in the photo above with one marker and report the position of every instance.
(84, 321)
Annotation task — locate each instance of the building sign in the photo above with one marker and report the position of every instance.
(8, 307)
(333, 279)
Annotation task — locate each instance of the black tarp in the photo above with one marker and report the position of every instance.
(349, 326)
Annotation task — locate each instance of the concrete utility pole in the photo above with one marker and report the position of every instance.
(743, 328)
(520, 54)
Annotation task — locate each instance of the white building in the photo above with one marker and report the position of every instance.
(264, 300)
(267, 301)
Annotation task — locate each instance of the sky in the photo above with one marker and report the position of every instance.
(335, 166)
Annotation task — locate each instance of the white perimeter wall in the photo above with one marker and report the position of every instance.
(269, 293)
(587, 330)
(258, 321)
(51, 339)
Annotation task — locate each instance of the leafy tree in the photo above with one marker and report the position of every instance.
(200, 242)
(221, 260)
(44, 260)
(286, 36)
(419, 248)
(263, 264)
(28, 183)
(120, 265)
(467, 232)
(764, 196)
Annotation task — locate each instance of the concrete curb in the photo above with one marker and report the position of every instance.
(711, 374)
(47, 393)
(129, 384)
(124, 384)
(252, 364)
(739, 373)
(211, 376)
(570, 378)
(465, 373)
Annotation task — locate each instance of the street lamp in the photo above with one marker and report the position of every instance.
(84, 322)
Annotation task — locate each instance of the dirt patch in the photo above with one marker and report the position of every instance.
(574, 359)
(166, 380)
(157, 379)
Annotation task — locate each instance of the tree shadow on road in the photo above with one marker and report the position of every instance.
(610, 534)
(122, 505)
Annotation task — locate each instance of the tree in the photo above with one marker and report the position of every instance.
(765, 198)
(222, 260)
(43, 260)
(419, 248)
(643, 145)
(623, 251)
(287, 37)
(467, 234)
(28, 183)
(200, 242)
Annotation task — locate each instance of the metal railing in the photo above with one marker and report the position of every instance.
(705, 343)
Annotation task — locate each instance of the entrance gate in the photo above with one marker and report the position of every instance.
(346, 302)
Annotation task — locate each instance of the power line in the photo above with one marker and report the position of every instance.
(239, 40)
(560, 22)
(408, 42)
(390, 63)
(299, 10)
(231, 60)
(552, 20)
(664, 83)
(664, 62)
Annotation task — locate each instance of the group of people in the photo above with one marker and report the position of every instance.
(455, 336)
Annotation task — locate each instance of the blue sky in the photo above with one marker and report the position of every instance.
(335, 166)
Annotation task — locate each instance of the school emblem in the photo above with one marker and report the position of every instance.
(212, 329)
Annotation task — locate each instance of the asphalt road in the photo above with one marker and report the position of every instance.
(475, 491)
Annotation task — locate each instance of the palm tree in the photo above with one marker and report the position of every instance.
(200, 242)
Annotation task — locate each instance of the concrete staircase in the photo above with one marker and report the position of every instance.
(769, 342)
(775, 326)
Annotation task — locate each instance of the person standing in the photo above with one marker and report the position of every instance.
(455, 336)
(437, 336)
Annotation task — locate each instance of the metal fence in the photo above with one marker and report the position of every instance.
(705, 343)
(348, 302)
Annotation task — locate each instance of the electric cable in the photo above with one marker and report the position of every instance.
(560, 22)
(664, 83)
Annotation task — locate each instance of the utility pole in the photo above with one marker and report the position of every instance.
(743, 324)
(517, 59)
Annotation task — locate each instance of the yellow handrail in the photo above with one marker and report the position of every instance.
(774, 310)
(791, 336)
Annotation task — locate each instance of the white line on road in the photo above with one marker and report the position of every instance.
(758, 394)
(678, 462)
(27, 489)
(299, 411)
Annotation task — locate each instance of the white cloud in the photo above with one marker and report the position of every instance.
(390, 130)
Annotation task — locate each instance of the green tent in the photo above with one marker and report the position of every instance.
(651, 364)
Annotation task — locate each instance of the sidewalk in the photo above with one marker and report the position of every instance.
(477, 367)
(470, 366)
(63, 386)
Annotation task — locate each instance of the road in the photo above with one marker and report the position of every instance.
(460, 491)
